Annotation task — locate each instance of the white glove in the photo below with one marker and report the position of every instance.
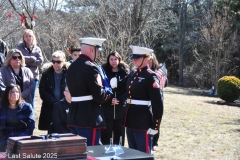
(152, 131)
(113, 82)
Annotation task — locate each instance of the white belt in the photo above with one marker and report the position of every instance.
(82, 98)
(138, 102)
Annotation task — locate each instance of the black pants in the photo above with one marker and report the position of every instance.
(113, 130)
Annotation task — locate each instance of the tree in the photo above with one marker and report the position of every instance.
(218, 42)
(121, 22)
(233, 9)
(9, 24)
(187, 27)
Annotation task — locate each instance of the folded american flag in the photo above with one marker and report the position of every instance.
(162, 75)
(106, 85)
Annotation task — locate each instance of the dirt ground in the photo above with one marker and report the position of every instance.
(193, 127)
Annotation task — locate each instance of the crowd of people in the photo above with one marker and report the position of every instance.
(98, 102)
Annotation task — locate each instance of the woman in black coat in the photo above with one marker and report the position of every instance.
(113, 109)
(51, 87)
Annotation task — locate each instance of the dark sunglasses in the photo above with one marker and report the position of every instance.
(16, 57)
(58, 62)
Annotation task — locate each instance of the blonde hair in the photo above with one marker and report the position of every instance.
(59, 54)
(154, 60)
(30, 32)
(10, 53)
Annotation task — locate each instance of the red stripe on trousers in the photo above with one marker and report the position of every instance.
(147, 142)
(94, 136)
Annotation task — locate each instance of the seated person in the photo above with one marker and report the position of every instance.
(16, 116)
(59, 115)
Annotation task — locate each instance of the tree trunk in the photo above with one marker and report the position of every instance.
(181, 41)
(180, 82)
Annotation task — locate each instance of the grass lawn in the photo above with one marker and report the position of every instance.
(193, 127)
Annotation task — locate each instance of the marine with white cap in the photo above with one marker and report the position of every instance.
(85, 84)
(143, 90)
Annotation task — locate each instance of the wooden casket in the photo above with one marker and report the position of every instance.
(59, 146)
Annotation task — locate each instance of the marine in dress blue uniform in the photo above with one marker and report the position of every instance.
(88, 90)
(143, 89)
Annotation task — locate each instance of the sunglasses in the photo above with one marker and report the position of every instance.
(58, 62)
(16, 57)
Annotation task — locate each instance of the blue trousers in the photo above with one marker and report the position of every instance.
(34, 93)
(139, 140)
(92, 135)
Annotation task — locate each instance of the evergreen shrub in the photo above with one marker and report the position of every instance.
(228, 88)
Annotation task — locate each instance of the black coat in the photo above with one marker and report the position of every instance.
(120, 95)
(143, 85)
(46, 91)
(59, 117)
(82, 80)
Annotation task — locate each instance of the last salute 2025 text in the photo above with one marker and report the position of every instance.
(33, 156)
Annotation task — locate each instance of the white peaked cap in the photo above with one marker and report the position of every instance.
(92, 41)
(140, 51)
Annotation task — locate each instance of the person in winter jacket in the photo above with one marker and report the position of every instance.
(14, 71)
(51, 87)
(113, 109)
(16, 116)
(32, 55)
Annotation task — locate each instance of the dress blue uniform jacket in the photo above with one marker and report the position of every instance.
(82, 81)
(143, 84)
(25, 113)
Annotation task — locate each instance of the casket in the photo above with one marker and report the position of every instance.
(62, 146)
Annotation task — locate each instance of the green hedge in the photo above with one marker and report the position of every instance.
(228, 88)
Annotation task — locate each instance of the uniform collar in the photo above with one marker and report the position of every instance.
(83, 56)
(142, 69)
